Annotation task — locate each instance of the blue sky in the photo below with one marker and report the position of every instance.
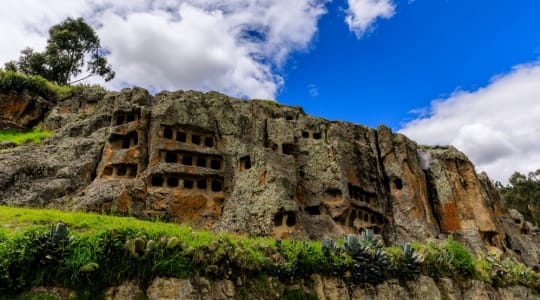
(426, 51)
(454, 72)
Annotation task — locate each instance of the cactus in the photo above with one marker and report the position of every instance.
(58, 233)
(151, 245)
(90, 267)
(139, 244)
(172, 242)
(136, 247)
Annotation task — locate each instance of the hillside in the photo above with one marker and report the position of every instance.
(252, 168)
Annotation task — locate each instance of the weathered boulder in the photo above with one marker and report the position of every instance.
(22, 110)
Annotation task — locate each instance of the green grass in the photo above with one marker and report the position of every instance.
(99, 251)
(13, 81)
(21, 137)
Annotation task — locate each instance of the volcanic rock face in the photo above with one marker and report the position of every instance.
(254, 167)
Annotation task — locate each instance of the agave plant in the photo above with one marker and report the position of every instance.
(370, 262)
(367, 238)
(328, 245)
(352, 244)
(369, 267)
(409, 263)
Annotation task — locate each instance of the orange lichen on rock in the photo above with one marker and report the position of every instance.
(450, 220)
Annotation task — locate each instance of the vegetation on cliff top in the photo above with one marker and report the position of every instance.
(523, 194)
(11, 81)
(88, 252)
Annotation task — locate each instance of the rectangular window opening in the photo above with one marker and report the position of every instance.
(167, 133)
(171, 157)
(188, 184)
(201, 184)
(181, 136)
(217, 186)
(287, 149)
(209, 141)
(215, 164)
(201, 162)
(157, 180)
(195, 139)
(187, 160)
(245, 163)
(172, 182)
(121, 171)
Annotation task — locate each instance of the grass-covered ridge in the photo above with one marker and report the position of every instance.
(20, 137)
(13, 81)
(98, 251)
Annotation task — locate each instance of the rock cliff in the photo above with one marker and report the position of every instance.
(253, 167)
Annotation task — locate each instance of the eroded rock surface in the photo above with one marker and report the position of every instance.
(253, 167)
(324, 288)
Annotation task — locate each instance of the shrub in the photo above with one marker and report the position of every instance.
(13, 81)
(460, 261)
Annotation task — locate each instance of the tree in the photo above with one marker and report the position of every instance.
(70, 43)
(523, 194)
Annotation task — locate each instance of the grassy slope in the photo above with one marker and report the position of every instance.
(21, 137)
(102, 251)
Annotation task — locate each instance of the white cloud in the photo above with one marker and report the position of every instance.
(497, 126)
(313, 90)
(236, 47)
(362, 14)
(232, 46)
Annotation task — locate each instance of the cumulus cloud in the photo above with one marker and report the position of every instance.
(497, 126)
(362, 14)
(233, 46)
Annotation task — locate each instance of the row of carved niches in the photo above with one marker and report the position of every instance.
(119, 171)
(195, 198)
(186, 158)
(122, 117)
(357, 219)
(187, 137)
(361, 197)
(124, 141)
(316, 135)
(188, 183)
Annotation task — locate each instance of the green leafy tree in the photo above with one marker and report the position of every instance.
(523, 194)
(70, 44)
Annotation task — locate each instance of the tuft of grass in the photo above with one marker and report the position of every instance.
(20, 137)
